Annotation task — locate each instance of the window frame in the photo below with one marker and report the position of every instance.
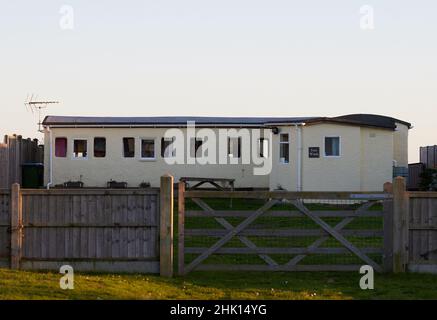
(173, 149)
(261, 147)
(141, 148)
(282, 143)
(87, 148)
(94, 147)
(239, 147)
(66, 147)
(122, 148)
(193, 141)
(339, 147)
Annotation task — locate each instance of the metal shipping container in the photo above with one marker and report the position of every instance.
(428, 156)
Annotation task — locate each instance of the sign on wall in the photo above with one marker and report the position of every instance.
(314, 152)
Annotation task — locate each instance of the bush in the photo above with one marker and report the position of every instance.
(428, 180)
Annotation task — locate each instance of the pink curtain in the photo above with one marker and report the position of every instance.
(61, 147)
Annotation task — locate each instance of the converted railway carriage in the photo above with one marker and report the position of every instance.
(357, 152)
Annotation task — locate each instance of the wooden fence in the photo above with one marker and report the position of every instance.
(5, 223)
(14, 152)
(89, 229)
(131, 230)
(422, 231)
(414, 229)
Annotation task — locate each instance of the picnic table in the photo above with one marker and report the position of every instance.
(212, 181)
(220, 184)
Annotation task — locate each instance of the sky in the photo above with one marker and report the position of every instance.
(220, 58)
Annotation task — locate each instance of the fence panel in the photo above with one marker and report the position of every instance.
(91, 230)
(14, 152)
(4, 166)
(423, 231)
(5, 221)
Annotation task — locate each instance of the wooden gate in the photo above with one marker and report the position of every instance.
(282, 231)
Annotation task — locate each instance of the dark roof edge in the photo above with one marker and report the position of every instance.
(367, 120)
(378, 120)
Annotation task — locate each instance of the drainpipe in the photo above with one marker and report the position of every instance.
(51, 158)
(299, 155)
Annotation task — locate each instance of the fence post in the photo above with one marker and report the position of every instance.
(166, 226)
(388, 229)
(181, 227)
(400, 225)
(16, 226)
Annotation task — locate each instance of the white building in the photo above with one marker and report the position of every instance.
(347, 153)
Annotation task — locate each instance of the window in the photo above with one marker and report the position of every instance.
(234, 147)
(129, 147)
(61, 147)
(332, 146)
(284, 148)
(263, 147)
(197, 142)
(148, 148)
(167, 148)
(99, 147)
(80, 148)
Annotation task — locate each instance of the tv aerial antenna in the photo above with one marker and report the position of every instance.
(33, 104)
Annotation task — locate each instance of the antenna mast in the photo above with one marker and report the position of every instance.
(34, 105)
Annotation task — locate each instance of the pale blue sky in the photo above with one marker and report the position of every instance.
(223, 58)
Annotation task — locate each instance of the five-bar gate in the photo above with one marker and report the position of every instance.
(283, 231)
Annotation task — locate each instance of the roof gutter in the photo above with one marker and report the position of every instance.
(154, 125)
(50, 182)
(299, 156)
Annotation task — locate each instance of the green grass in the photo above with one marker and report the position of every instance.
(217, 285)
(236, 285)
(276, 223)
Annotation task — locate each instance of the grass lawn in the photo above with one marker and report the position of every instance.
(273, 224)
(217, 285)
(237, 285)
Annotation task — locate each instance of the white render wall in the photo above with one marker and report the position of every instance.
(364, 164)
(96, 172)
(400, 145)
(376, 158)
(332, 173)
